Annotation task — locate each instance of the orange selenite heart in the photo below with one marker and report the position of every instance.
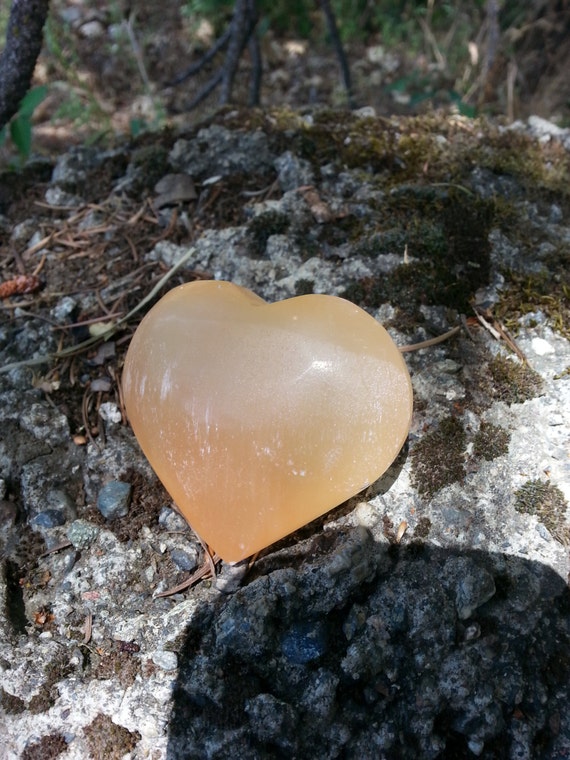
(260, 417)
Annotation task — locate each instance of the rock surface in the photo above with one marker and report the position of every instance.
(428, 617)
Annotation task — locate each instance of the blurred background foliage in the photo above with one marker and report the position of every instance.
(108, 65)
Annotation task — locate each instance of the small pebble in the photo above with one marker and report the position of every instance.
(92, 29)
(293, 171)
(231, 576)
(109, 412)
(541, 347)
(63, 310)
(55, 196)
(114, 499)
(49, 518)
(103, 385)
(304, 642)
(170, 520)
(476, 746)
(60, 501)
(182, 559)
(166, 660)
(82, 533)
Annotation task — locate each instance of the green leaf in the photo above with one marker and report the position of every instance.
(419, 97)
(31, 100)
(21, 134)
(399, 85)
(137, 126)
(465, 109)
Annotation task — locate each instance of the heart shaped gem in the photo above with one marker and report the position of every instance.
(260, 417)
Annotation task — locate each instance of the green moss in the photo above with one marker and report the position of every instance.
(107, 740)
(395, 149)
(304, 287)
(118, 665)
(151, 161)
(547, 291)
(261, 227)
(409, 286)
(512, 381)
(347, 229)
(547, 502)
(491, 441)
(176, 644)
(47, 748)
(536, 165)
(438, 458)
(423, 167)
(333, 137)
(54, 672)
(447, 235)
(43, 701)
(308, 245)
(430, 149)
(381, 243)
(422, 529)
(11, 705)
(564, 373)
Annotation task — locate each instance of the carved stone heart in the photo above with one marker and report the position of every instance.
(260, 417)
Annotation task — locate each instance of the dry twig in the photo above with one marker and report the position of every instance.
(113, 327)
(498, 331)
(207, 569)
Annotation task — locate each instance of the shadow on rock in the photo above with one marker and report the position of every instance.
(379, 651)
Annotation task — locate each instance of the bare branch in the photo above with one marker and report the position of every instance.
(24, 38)
(220, 43)
(339, 49)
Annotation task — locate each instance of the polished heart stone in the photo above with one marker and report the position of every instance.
(260, 417)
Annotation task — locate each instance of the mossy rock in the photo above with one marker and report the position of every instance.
(491, 441)
(261, 227)
(438, 459)
(107, 740)
(447, 237)
(547, 502)
(512, 381)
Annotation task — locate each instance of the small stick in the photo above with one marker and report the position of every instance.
(57, 548)
(88, 628)
(499, 332)
(431, 341)
(201, 572)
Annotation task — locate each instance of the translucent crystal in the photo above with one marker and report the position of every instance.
(260, 417)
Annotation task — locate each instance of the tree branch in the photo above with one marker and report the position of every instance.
(242, 27)
(24, 38)
(339, 49)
